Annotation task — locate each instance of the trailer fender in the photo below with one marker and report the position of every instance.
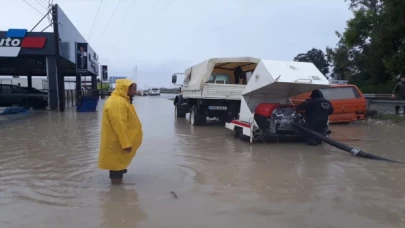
(234, 124)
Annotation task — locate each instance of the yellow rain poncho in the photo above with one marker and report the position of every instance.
(120, 129)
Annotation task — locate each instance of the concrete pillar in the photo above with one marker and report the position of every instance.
(94, 82)
(78, 85)
(61, 91)
(29, 81)
(53, 98)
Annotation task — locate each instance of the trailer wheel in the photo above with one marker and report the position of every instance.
(178, 113)
(238, 132)
(197, 118)
(239, 135)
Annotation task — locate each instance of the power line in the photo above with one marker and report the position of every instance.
(34, 8)
(43, 1)
(160, 12)
(129, 9)
(50, 3)
(95, 18)
(144, 16)
(41, 4)
(153, 7)
(109, 21)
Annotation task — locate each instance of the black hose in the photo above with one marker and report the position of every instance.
(354, 151)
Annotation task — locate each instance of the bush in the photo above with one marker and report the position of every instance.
(378, 89)
(390, 117)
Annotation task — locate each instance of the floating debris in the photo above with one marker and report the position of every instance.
(174, 194)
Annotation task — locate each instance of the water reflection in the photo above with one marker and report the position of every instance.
(48, 165)
(121, 208)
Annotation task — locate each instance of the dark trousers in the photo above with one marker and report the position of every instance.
(397, 107)
(117, 174)
(320, 128)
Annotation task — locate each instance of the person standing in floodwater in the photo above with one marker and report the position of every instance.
(121, 131)
(399, 93)
(317, 111)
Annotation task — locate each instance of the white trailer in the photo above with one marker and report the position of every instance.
(210, 89)
(266, 109)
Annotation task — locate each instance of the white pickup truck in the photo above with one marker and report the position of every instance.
(214, 89)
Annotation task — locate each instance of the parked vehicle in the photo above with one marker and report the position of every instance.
(210, 89)
(348, 102)
(12, 95)
(154, 91)
(33, 90)
(145, 92)
(266, 112)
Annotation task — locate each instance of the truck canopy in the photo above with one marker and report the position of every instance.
(201, 73)
(276, 79)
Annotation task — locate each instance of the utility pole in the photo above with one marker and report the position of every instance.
(135, 74)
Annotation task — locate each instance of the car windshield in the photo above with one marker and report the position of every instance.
(155, 89)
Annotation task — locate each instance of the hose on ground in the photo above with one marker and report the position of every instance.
(354, 151)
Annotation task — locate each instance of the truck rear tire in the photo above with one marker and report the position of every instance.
(177, 112)
(197, 118)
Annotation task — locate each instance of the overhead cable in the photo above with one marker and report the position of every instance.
(109, 21)
(160, 12)
(153, 7)
(129, 9)
(41, 4)
(95, 18)
(34, 8)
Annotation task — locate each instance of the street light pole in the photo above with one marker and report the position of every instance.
(135, 74)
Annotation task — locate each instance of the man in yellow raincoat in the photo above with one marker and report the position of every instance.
(121, 131)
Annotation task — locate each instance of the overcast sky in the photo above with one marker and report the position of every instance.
(176, 34)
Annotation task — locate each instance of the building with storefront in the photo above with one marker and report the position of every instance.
(56, 55)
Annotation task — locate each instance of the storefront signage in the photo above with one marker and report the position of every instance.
(104, 72)
(16, 39)
(81, 57)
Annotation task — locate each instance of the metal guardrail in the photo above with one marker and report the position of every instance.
(382, 98)
(382, 101)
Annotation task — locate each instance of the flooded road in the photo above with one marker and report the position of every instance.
(49, 176)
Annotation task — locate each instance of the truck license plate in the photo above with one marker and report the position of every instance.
(222, 108)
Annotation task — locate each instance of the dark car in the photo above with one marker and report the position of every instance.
(33, 90)
(11, 95)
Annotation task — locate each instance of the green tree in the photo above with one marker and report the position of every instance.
(371, 50)
(340, 59)
(315, 56)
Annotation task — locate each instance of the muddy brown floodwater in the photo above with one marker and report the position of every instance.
(49, 177)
